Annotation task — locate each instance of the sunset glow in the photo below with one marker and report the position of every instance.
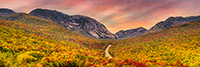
(114, 14)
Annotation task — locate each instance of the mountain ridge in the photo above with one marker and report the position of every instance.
(172, 21)
(169, 22)
(6, 11)
(124, 34)
(83, 25)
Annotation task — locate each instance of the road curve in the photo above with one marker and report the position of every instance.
(107, 53)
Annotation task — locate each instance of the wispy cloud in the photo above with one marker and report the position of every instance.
(115, 14)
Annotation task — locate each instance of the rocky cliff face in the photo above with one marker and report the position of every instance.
(124, 34)
(4, 11)
(83, 25)
(172, 21)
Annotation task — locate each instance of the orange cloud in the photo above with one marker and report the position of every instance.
(114, 14)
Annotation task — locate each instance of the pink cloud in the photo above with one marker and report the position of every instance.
(115, 14)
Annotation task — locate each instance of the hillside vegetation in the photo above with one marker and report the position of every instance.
(52, 29)
(176, 44)
(48, 44)
(21, 45)
(27, 40)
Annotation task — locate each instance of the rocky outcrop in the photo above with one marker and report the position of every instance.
(124, 34)
(172, 21)
(5, 11)
(83, 25)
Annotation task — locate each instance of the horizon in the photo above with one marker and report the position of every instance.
(116, 15)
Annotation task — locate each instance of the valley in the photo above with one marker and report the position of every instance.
(44, 40)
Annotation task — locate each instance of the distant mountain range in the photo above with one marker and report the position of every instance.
(91, 28)
(123, 34)
(172, 21)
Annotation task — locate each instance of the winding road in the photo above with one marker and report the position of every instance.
(107, 53)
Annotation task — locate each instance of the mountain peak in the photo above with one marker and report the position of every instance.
(5, 11)
(45, 13)
(44, 10)
(170, 18)
(140, 28)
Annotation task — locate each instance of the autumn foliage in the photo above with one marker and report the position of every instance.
(32, 43)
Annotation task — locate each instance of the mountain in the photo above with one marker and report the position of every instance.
(166, 47)
(83, 25)
(172, 21)
(51, 29)
(123, 34)
(5, 11)
(27, 19)
(31, 45)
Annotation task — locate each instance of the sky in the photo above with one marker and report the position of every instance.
(116, 15)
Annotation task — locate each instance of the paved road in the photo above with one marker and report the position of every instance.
(107, 53)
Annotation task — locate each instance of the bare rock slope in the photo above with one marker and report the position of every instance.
(83, 25)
